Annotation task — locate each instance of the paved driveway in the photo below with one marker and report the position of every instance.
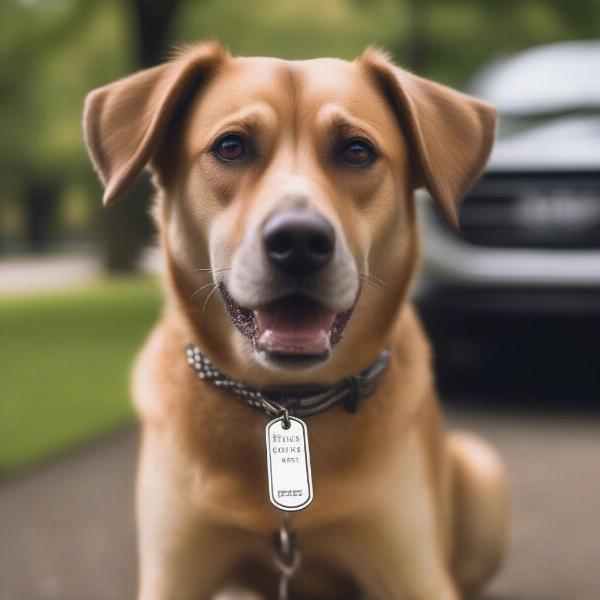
(66, 531)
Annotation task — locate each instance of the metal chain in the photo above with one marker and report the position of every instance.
(287, 556)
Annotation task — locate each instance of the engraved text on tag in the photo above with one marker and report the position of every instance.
(288, 463)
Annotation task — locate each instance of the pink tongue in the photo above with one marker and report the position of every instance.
(292, 327)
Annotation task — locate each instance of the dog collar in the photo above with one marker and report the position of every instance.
(297, 401)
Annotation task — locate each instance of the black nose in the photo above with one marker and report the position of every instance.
(298, 241)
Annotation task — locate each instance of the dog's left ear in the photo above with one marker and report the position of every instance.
(124, 121)
(452, 133)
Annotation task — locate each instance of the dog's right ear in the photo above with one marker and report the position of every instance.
(124, 121)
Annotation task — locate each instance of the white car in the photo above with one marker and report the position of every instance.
(528, 254)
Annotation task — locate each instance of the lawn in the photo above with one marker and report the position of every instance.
(64, 366)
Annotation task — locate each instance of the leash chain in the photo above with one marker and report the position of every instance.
(287, 556)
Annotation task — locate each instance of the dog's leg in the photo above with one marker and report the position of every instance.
(414, 573)
(390, 554)
(237, 593)
(183, 559)
(177, 567)
(182, 554)
(481, 511)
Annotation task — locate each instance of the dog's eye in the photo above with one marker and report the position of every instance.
(230, 147)
(358, 153)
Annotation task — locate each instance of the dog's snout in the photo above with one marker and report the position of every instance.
(298, 241)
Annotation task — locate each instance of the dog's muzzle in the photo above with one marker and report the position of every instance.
(294, 285)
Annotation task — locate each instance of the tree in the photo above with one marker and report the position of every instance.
(127, 225)
(27, 168)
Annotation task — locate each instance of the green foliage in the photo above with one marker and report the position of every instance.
(51, 52)
(64, 365)
(54, 51)
(294, 29)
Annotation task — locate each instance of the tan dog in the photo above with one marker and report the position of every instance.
(292, 184)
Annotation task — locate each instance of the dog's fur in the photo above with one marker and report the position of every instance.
(401, 510)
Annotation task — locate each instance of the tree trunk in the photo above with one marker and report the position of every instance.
(127, 225)
(152, 19)
(39, 203)
(416, 43)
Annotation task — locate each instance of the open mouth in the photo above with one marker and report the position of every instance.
(292, 328)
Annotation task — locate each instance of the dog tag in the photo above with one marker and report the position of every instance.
(288, 463)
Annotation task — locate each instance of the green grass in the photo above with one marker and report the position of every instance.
(64, 366)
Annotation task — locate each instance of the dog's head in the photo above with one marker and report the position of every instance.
(289, 186)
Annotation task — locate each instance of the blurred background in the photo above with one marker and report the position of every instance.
(512, 302)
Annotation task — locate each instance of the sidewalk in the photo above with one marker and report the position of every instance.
(50, 272)
(47, 272)
(67, 531)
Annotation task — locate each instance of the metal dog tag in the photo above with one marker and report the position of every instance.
(288, 462)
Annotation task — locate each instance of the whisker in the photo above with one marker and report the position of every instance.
(373, 279)
(379, 287)
(212, 270)
(201, 288)
(208, 297)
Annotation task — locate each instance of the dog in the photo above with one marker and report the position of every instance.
(286, 215)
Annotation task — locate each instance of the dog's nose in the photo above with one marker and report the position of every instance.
(298, 241)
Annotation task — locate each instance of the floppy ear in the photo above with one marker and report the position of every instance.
(124, 121)
(451, 133)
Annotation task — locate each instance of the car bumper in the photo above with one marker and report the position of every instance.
(449, 261)
(509, 319)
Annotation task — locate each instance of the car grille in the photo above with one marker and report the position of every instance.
(532, 210)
